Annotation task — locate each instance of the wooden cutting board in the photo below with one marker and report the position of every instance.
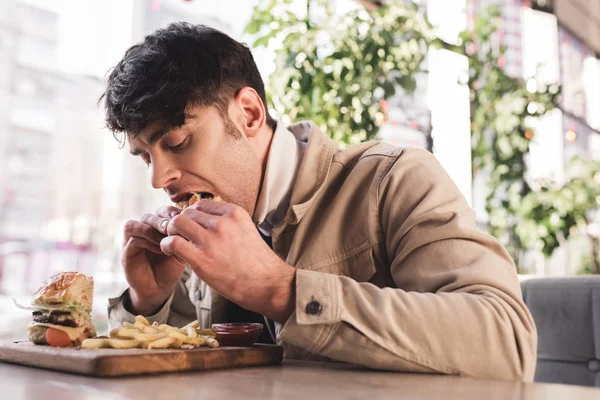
(117, 362)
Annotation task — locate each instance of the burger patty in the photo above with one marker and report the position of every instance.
(56, 317)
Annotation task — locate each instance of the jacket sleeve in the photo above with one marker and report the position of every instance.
(457, 306)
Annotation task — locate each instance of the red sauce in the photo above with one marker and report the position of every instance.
(239, 335)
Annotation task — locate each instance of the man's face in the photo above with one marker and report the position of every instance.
(206, 154)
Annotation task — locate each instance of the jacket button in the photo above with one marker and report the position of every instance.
(314, 308)
(594, 365)
(198, 295)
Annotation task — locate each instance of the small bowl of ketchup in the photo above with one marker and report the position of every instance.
(238, 335)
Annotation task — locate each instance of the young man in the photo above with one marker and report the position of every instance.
(368, 255)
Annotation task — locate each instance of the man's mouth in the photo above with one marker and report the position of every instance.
(203, 195)
(187, 196)
(188, 199)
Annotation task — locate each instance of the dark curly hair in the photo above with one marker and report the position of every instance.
(180, 66)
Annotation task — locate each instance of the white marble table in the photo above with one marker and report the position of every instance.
(292, 380)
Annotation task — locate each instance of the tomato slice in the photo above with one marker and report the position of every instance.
(57, 338)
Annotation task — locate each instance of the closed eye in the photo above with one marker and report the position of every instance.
(180, 146)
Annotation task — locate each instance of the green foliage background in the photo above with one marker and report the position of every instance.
(335, 70)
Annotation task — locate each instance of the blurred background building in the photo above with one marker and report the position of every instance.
(66, 188)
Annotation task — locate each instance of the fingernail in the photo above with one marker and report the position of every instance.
(163, 224)
(173, 213)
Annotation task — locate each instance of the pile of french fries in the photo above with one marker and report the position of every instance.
(142, 334)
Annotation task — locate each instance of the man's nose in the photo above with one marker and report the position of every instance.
(164, 173)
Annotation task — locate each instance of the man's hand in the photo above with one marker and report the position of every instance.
(223, 247)
(151, 274)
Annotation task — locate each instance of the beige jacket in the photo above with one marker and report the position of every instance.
(383, 240)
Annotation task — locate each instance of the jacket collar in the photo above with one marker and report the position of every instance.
(313, 171)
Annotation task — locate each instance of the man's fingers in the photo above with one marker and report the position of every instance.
(142, 230)
(184, 226)
(168, 211)
(180, 248)
(151, 226)
(157, 222)
(212, 207)
(136, 244)
(207, 221)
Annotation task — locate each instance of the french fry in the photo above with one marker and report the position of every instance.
(139, 325)
(178, 335)
(95, 344)
(197, 341)
(109, 343)
(169, 328)
(151, 330)
(191, 332)
(193, 324)
(206, 332)
(212, 342)
(163, 343)
(128, 325)
(123, 333)
(148, 337)
(142, 319)
(124, 343)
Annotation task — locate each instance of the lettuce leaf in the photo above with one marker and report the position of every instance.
(75, 305)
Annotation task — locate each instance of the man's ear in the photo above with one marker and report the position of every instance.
(251, 111)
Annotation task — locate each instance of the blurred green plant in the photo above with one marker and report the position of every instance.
(335, 69)
(525, 215)
(551, 213)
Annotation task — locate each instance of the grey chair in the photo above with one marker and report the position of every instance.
(567, 315)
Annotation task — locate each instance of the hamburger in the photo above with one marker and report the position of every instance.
(61, 310)
(194, 197)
